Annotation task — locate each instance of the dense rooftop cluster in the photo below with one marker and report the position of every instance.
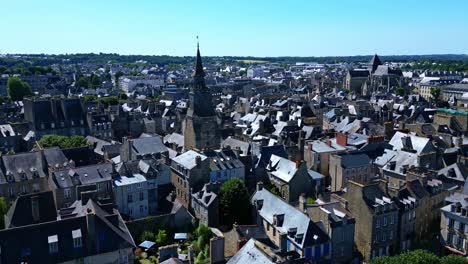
(232, 161)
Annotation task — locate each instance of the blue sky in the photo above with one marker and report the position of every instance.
(235, 27)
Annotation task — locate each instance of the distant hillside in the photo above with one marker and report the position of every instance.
(44, 60)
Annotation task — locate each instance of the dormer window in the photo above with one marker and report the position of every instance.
(34, 172)
(23, 174)
(53, 244)
(76, 234)
(9, 176)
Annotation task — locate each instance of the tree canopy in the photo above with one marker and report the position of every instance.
(435, 93)
(234, 202)
(62, 141)
(3, 211)
(92, 81)
(419, 257)
(161, 237)
(18, 89)
(400, 91)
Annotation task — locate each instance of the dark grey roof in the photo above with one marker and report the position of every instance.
(359, 73)
(266, 152)
(224, 159)
(20, 213)
(54, 156)
(29, 164)
(93, 173)
(372, 194)
(355, 160)
(102, 231)
(148, 145)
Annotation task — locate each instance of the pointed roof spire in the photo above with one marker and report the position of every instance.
(198, 66)
(374, 63)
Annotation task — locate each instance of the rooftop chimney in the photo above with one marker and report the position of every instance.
(302, 202)
(35, 208)
(342, 138)
(259, 186)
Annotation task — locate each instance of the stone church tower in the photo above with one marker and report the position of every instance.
(201, 127)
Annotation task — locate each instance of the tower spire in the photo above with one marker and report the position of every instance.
(199, 67)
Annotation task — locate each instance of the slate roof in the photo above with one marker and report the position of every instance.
(205, 196)
(6, 131)
(224, 159)
(282, 168)
(375, 62)
(54, 156)
(266, 152)
(419, 144)
(20, 213)
(383, 70)
(93, 173)
(373, 195)
(235, 143)
(251, 252)
(188, 159)
(148, 145)
(454, 172)
(174, 138)
(359, 73)
(293, 219)
(355, 160)
(98, 144)
(124, 180)
(29, 163)
(31, 241)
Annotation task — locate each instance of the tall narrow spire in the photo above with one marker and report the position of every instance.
(199, 67)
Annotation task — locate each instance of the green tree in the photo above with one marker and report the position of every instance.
(110, 100)
(122, 96)
(435, 93)
(234, 202)
(94, 81)
(90, 97)
(419, 256)
(161, 237)
(147, 235)
(3, 211)
(274, 190)
(203, 256)
(117, 77)
(452, 259)
(49, 141)
(400, 91)
(203, 234)
(83, 82)
(18, 89)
